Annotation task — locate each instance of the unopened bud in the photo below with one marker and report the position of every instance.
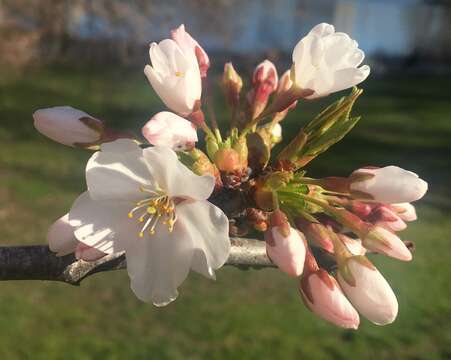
(384, 216)
(381, 240)
(232, 84)
(171, 130)
(68, 126)
(316, 232)
(390, 184)
(264, 83)
(323, 296)
(405, 211)
(368, 291)
(227, 160)
(284, 245)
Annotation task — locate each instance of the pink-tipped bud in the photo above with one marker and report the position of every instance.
(368, 291)
(405, 211)
(171, 130)
(381, 240)
(389, 184)
(68, 126)
(88, 253)
(232, 85)
(360, 208)
(285, 85)
(285, 245)
(316, 232)
(323, 296)
(188, 44)
(354, 246)
(264, 83)
(382, 215)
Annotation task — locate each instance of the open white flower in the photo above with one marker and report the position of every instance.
(174, 75)
(326, 61)
(148, 204)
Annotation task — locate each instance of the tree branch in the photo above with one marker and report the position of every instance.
(37, 262)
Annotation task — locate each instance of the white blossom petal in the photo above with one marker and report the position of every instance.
(61, 237)
(174, 177)
(103, 224)
(157, 264)
(208, 228)
(118, 172)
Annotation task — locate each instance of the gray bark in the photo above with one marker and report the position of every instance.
(37, 262)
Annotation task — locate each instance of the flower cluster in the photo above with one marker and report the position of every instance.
(171, 206)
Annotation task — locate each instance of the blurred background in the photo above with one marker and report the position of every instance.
(90, 55)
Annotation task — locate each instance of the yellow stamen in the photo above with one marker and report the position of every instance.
(158, 206)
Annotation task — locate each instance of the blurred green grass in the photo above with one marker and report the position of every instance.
(244, 314)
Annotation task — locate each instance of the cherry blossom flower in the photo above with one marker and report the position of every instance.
(171, 130)
(174, 75)
(188, 44)
(148, 204)
(326, 61)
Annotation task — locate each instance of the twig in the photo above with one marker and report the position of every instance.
(37, 262)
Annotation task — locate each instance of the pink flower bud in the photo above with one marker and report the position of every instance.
(265, 75)
(382, 215)
(285, 246)
(317, 233)
(389, 184)
(384, 241)
(264, 82)
(323, 296)
(405, 211)
(88, 253)
(285, 85)
(187, 43)
(61, 237)
(354, 246)
(171, 130)
(368, 291)
(68, 126)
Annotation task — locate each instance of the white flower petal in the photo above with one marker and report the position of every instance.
(208, 228)
(61, 237)
(157, 264)
(103, 224)
(118, 172)
(346, 78)
(174, 177)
